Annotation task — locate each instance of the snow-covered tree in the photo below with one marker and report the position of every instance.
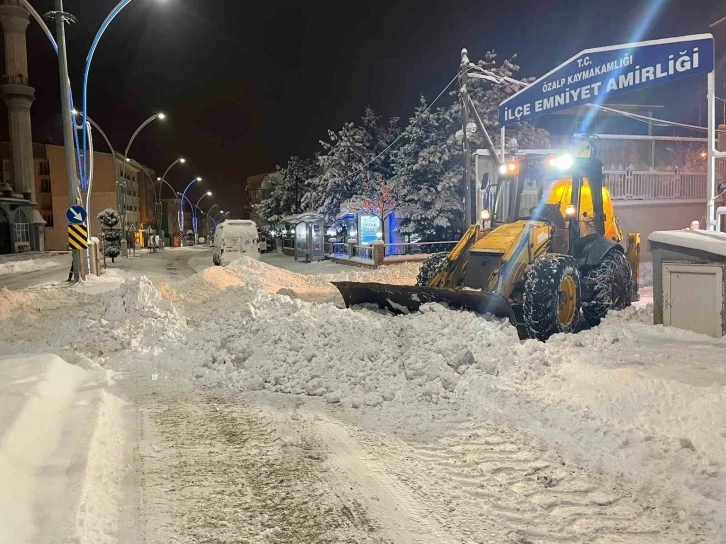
(290, 190)
(347, 163)
(429, 163)
(110, 219)
(427, 175)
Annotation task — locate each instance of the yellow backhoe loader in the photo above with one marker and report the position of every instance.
(548, 251)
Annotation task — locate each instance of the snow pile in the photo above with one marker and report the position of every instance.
(135, 296)
(248, 339)
(312, 287)
(134, 316)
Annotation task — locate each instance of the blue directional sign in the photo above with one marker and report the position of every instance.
(594, 75)
(76, 215)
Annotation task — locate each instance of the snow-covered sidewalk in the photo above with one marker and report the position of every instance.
(61, 451)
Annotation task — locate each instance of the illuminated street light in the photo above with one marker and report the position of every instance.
(181, 204)
(194, 214)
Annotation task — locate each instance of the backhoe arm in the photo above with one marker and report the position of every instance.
(456, 260)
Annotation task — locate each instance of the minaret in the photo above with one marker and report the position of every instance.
(18, 95)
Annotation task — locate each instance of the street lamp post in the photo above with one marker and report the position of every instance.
(194, 216)
(181, 160)
(184, 197)
(181, 204)
(159, 116)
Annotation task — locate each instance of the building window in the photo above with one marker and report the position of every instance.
(44, 168)
(48, 218)
(22, 228)
(45, 186)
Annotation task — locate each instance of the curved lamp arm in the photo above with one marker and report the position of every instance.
(141, 127)
(121, 5)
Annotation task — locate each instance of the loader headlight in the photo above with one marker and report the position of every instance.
(485, 215)
(570, 210)
(508, 168)
(562, 162)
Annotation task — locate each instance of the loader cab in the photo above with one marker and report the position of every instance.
(575, 186)
(516, 195)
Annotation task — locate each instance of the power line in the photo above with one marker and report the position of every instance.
(650, 120)
(410, 126)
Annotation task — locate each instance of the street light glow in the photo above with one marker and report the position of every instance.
(161, 116)
(74, 112)
(182, 160)
(199, 179)
(209, 193)
(158, 179)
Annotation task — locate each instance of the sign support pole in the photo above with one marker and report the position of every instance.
(463, 90)
(713, 154)
(711, 169)
(502, 137)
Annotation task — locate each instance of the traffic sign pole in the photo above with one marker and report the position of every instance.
(67, 120)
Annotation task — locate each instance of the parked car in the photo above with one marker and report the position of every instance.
(235, 238)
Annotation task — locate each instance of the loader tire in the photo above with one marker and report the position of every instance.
(608, 286)
(430, 268)
(552, 296)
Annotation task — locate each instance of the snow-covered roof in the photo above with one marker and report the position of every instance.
(302, 217)
(343, 215)
(701, 240)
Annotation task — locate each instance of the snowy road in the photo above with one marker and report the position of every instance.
(233, 414)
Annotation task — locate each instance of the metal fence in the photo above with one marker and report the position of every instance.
(656, 185)
(660, 185)
(363, 252)
(336, 248)
(419, 248)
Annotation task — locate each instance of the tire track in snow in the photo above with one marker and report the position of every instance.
(491, 485)
(218, 470)
(402, 518)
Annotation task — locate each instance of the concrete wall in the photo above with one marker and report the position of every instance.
(646, 217)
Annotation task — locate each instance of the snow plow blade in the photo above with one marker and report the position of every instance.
(402, 299)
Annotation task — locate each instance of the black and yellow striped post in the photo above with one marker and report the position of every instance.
(78, 237)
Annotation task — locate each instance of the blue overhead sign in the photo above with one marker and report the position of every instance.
(595, 75)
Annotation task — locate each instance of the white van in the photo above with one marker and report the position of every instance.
(235, 238)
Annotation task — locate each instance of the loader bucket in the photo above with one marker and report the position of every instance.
(402, 299)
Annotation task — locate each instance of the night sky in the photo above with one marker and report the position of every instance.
(245, 85)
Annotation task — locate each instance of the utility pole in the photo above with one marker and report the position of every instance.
(463, 91)
(60, 19)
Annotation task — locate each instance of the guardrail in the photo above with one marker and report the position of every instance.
(363, 252)
(419, 248)
(336, 248)
(655, 185)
